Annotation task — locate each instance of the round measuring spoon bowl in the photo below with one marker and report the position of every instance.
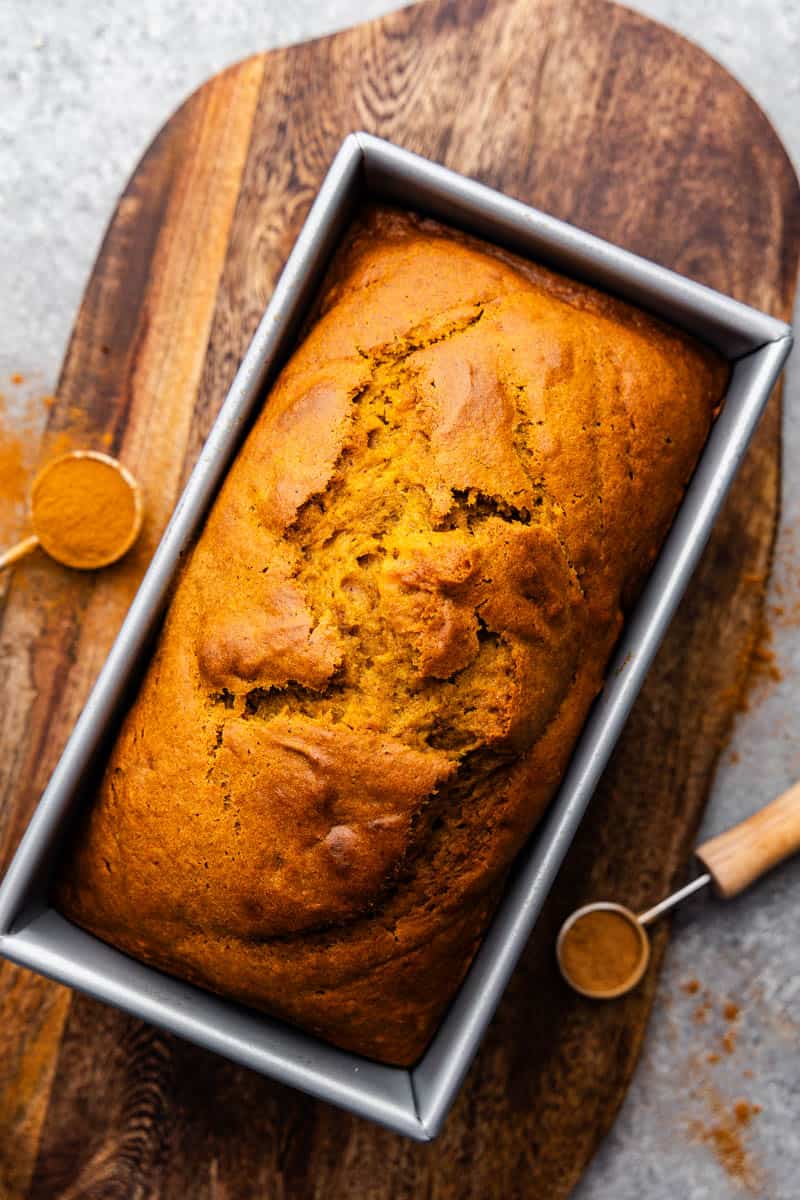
(602, 950)
(86, 509)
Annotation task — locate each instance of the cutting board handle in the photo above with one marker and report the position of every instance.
(739, 856)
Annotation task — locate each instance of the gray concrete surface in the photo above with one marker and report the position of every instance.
(83, 86)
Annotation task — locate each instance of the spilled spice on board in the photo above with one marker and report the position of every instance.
(757, 671)
(785, 614)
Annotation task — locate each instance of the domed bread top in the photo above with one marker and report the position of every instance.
(390, 632)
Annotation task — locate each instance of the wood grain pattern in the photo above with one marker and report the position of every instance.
(602, 118)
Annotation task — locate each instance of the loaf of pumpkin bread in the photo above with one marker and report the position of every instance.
(389, 635)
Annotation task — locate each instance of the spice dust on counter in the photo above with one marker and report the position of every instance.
(724, 1134)
(13, 474)
(701, 1013)
(763, 663)
(22, 420)
(720, 1123)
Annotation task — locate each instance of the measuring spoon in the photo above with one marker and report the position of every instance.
(73, 545)
(732, 860)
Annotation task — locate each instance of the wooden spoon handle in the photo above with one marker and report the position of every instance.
(19, 551)
(739, 856)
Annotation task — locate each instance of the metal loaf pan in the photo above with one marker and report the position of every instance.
(412, 1102)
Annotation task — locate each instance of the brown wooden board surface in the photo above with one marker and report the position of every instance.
(598, 116)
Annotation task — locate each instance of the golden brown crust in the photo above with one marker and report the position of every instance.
(389, 635)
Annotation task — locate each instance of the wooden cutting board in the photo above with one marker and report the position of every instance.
(600, 117)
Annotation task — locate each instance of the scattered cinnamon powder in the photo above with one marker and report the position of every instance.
(726, 1138)
(757, 670)
(744, 1111)
(763, 664)
(17, 378)
(13, 472)
(21, 420)
(721, 1123)
(601, 951)
(59, 444)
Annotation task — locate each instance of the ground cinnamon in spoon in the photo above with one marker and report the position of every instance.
(84, 511)
(601, 951)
